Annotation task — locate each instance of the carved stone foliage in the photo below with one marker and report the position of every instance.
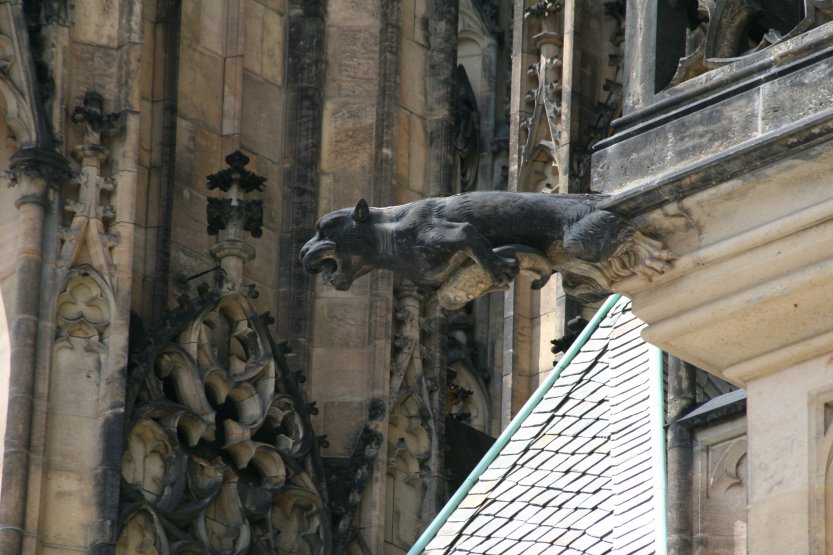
(88, 237)
(541, 130)
(722, 31)
(346, 479)
(236, 180)
(413, 423)
(220, 456)
(467, 397)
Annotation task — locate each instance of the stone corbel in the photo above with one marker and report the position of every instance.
(34, 171)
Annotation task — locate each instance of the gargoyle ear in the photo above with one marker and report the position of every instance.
(361, 213)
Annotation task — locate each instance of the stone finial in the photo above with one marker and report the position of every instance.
(91, 115)
(234, 215)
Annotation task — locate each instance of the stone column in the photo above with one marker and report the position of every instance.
(305, 89)
(442, 64)
(33, 171)
(680, 457)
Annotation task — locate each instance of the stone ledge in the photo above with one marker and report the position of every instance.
(752, 290)
(767, 115)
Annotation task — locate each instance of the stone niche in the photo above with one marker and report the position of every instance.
(731, 168)
(720, 478)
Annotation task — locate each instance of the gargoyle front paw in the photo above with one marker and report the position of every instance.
(540, 282)
(503, 270)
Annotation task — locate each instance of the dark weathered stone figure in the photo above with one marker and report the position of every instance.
(468, 244)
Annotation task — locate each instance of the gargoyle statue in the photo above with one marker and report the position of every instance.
(472, 243)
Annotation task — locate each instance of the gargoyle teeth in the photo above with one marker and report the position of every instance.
(328, 266)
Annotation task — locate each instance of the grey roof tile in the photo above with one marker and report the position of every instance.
(441, 542)
(477, 523)
(602, 528)
(461, 515)
(485, 545)
(531, 493)
(539, 531)
(511, 509)
(484, 486)
(552, 535)
(593, 445)
(492, 526)
(542, 516)
(467, 544)
(522, 531)
(567, 537)
(552, 489)
(504, 460)
(502, 547)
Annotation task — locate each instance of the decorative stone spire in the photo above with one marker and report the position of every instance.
(91, 155)
(234, 215)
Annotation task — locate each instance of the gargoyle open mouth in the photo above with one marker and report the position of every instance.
(323, 259)
(328, 268)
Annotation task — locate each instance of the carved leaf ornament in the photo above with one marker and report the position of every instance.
(218, 454)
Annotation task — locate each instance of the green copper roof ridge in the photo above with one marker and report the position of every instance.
(513, 427)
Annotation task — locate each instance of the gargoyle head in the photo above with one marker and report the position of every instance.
(344, 246)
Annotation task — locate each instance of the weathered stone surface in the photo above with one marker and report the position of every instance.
(341, 323)
(89, 28)
(347, 129)
(342, 373)
(253, 38)
(262, 119)
(212, 25)
(413, 80)
(273, 47)
(352, 12)
(343, 420)
(357, 73)
(721, 485)
(70, 510)
(340, 189)
(201, 87)
(762, 130)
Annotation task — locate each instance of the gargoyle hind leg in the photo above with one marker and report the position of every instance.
(602, 236)
(597, 236)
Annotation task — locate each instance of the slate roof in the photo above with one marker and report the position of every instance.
(576, 476)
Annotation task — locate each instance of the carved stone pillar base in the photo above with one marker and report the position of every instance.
(232, 254)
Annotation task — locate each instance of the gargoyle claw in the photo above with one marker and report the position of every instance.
(503, 270)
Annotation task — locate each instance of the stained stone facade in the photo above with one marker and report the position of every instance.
(172, 381)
